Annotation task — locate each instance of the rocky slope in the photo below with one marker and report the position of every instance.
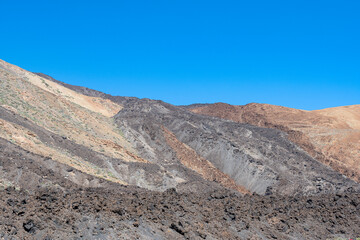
(332, 136)
(261, 160)
(264, 162)
(66, 127)
(76, 163)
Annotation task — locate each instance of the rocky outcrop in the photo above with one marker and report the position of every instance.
(128, 213)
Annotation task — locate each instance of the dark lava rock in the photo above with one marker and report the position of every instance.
(29, 226)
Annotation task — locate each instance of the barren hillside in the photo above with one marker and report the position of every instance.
(77, 163)
(331, 136)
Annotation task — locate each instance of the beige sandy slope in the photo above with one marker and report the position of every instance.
(330, 135)
(349, 115)
(84, 120)
(99, 105)
(62, 114)
(29, 141)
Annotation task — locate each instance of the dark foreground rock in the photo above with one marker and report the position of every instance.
(129, 213)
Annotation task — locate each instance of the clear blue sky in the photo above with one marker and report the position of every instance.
(302, 54)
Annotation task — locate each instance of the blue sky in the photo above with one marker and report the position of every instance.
(302, 54)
